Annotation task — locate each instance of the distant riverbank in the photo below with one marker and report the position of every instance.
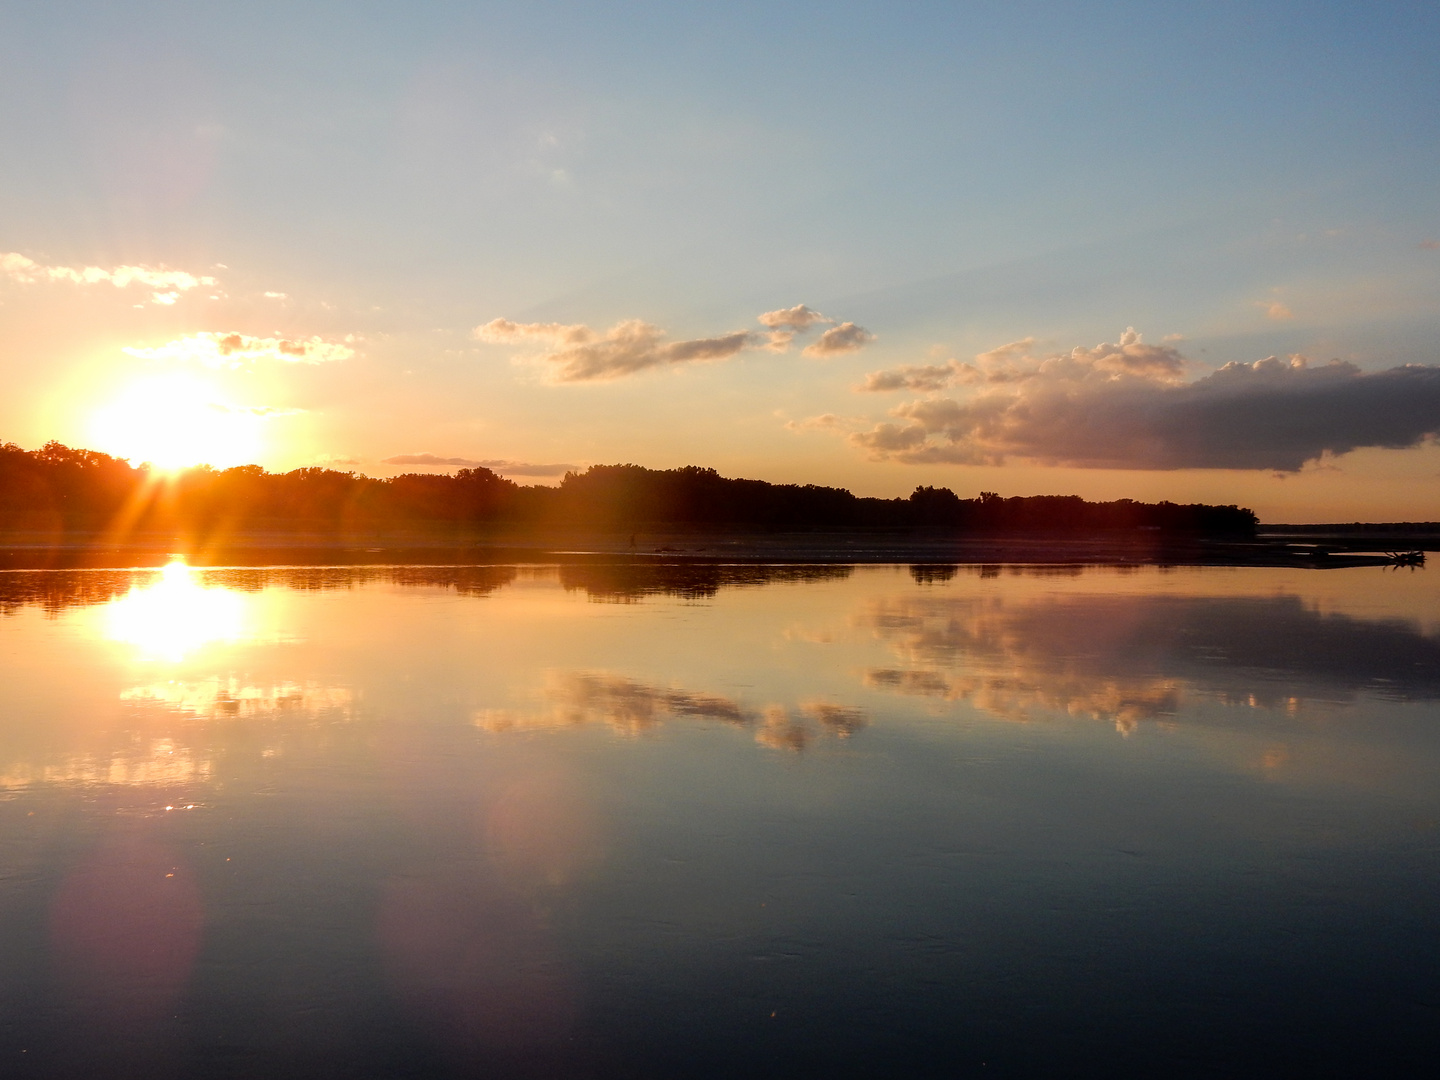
(1282, 546)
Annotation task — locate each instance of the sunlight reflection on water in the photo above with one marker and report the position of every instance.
(599, 821)
(175, 615)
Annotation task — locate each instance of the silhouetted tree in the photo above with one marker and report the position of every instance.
(57, 487)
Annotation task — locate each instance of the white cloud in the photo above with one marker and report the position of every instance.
(167, 285)
(779, 340)
(505, 332)
(823, 422)
(582, 354)
(217, 350)
(798, 317)
(912, 377)
(1127, 406)
(845, 338)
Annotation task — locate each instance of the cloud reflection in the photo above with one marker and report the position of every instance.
(168, 742)
(629, 707)
(217, 698)
(1131, 658)
(146, 762)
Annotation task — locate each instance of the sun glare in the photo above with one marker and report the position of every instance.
(175, 615)
(174, 422)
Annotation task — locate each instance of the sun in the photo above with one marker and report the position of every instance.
(176, 421)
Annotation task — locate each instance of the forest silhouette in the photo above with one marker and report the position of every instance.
(57, 488)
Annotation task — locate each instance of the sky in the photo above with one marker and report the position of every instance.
(1108, 249)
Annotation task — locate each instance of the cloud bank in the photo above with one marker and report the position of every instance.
(217, 350)
(581, 354)
(167, 284)
(503, 466)
(1127, 406)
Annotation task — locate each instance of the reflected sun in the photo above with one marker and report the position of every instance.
(176, 421)
(176, 615)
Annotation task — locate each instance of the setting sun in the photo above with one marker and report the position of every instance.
(177, 421)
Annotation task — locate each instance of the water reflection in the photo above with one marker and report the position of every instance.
(58, 590)
(455, 821)
(125, 931)
(628, 582)
(629, 707)
(151, 762)
(172, 616)
(54, 591)
(216, 698)
(1134, 657)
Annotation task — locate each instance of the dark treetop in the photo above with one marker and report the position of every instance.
(60, 488)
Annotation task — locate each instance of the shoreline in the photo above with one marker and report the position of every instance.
(1319, 549)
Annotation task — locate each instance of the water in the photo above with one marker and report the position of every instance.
(615, 822)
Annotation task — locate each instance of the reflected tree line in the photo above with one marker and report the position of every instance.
(57, 487)
(57, 590)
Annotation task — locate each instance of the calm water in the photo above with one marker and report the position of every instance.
(602, 822)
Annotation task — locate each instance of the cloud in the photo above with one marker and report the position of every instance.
(502, 466)
(217, 350)
(167, 284)
(912, 377)
(845, 338)
(1127, 406)
(505, 332)
(779, 340)
(580, 354)
(527, 468)
(1430, 245)
(825, 421)
(798, 317)
(1002, 364)
(429, 459)
(1274, 309)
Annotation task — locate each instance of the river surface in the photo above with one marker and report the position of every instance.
(725, 822)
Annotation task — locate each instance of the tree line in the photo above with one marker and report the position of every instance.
(60, 487)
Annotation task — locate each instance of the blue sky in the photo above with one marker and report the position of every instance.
(1233, 181)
